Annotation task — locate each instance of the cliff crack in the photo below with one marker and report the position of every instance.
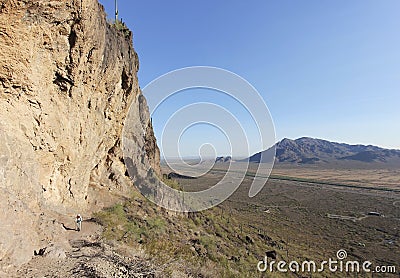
(72, 41)
(63, 82)
(70, 188)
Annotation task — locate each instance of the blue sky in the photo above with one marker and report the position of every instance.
(326, 69)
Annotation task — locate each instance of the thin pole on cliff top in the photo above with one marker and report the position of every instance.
(116, 10)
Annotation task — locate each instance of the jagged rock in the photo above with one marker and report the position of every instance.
(223, 159)
(40, 252)
(55, 252)
(67, 80)
(271, 254)
(249, 239)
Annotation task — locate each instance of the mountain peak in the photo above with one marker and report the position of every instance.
(307, 150)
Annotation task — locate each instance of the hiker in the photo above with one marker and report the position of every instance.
(78, 222)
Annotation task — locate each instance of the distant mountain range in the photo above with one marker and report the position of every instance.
(316, 151)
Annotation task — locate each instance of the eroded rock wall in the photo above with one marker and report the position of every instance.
(67, 80)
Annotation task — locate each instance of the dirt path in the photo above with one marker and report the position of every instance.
(90, 229)
(86, 255)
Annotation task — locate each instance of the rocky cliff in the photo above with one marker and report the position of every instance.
(67, 81)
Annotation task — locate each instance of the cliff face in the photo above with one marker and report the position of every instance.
(67, 80)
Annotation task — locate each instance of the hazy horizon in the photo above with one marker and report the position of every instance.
(194, 157)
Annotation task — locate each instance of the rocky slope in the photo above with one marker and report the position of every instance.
(316, 151)
(67, 81)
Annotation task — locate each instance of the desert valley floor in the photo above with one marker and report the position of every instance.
(311, 212)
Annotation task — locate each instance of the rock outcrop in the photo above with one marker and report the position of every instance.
(221, 159)
(67, 81)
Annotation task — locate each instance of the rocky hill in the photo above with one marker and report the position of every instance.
(67, 80)
(316, 151)
(220, 159)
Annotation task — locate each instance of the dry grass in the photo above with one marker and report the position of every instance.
(207, 244)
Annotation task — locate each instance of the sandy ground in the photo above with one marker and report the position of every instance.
(43, 266)
(86, 255)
